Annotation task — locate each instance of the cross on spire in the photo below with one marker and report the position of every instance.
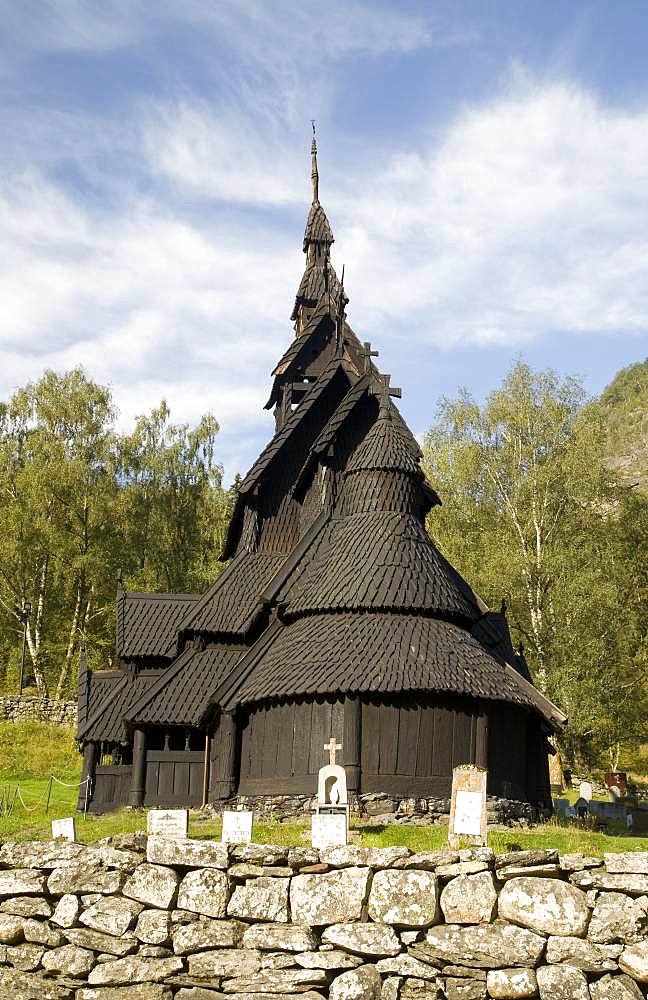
(332, 746)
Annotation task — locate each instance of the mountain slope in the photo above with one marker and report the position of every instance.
(624, 407)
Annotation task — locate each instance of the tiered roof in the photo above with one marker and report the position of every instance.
(333, 584)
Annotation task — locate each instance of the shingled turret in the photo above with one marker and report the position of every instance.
(336, 615)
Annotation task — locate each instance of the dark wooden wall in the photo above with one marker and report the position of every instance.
(507, 751)
(410, 748)
(174, 778)
(110, 788)
(282, 746)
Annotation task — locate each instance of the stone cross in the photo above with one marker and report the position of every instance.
(332, 746)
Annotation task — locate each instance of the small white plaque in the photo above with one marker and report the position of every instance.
(173, 823)
(585, 790)
(237, 827)
(329, 830)
(467, 817)
(64, 829)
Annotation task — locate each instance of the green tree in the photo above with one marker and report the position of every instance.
(174, 507)
(57, 483)
(78, 501)
(531, 513)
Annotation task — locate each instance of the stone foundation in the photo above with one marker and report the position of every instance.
(196, 920)
(383, 809)
(59, 713)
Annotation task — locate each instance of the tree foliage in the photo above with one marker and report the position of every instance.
(79, 501)
(532, 514)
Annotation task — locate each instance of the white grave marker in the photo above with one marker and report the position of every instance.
(467, 817)
(329, 830)
(64, 829)
(172, 823)
(237, 827)
(585, 791)
(468, 806)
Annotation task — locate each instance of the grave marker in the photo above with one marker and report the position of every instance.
(329, 830)
(330, 823)
(585, 791)
(64, 829)
(172, 823)
(237, 827)
(468, 806)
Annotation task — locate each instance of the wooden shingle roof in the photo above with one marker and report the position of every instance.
(318, 228)
(378, 653)
(147, 624)
(281, 438)
(112, 693)
(381, 561)
(230, 603)
(182, 695)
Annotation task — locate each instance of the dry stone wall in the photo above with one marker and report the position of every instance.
(17, 709)
(196, 920)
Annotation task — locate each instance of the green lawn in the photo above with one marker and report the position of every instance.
(31, 752)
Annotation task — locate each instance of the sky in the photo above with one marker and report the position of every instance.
(483, 163)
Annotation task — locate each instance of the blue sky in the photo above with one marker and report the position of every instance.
(484, 166)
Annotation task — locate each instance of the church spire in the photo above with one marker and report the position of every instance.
(314, 173)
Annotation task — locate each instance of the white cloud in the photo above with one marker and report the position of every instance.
(148, 303)
(530, 215)
(222, 156)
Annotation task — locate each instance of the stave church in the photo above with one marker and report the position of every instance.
(336, 617)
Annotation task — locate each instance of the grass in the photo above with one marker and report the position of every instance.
(30, 752)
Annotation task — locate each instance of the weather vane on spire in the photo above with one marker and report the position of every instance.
(314, 173)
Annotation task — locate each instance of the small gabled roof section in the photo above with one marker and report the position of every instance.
(147, 624)
(230, 604)
(111, 694)
(182, 695)
(271, 451)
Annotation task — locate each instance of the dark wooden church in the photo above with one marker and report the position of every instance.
(335, 616)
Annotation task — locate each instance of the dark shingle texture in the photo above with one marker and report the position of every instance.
(183, 695)
(282, 436)
(378, 653)
(318, 228)
(314, 283)
(230, 602)
(382, 560)
(385, 446)
(111, 697)
(147, 624)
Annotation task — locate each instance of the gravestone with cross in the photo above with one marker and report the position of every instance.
(330, 821)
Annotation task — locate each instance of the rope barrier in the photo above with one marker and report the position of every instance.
(27, 808)
(74, 784)
(6, 809)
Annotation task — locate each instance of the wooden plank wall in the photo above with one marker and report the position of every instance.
(282, 745)
(507, 752)
(111, 788)
(174, 777)
(409, 748)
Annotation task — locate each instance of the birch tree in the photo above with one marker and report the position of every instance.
(528, 511)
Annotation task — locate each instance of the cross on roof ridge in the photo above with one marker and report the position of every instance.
(368, 354)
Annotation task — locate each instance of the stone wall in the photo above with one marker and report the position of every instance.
(196, 920)
(386, 809)
(60, 713)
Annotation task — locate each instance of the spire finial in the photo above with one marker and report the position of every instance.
(314, 173)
